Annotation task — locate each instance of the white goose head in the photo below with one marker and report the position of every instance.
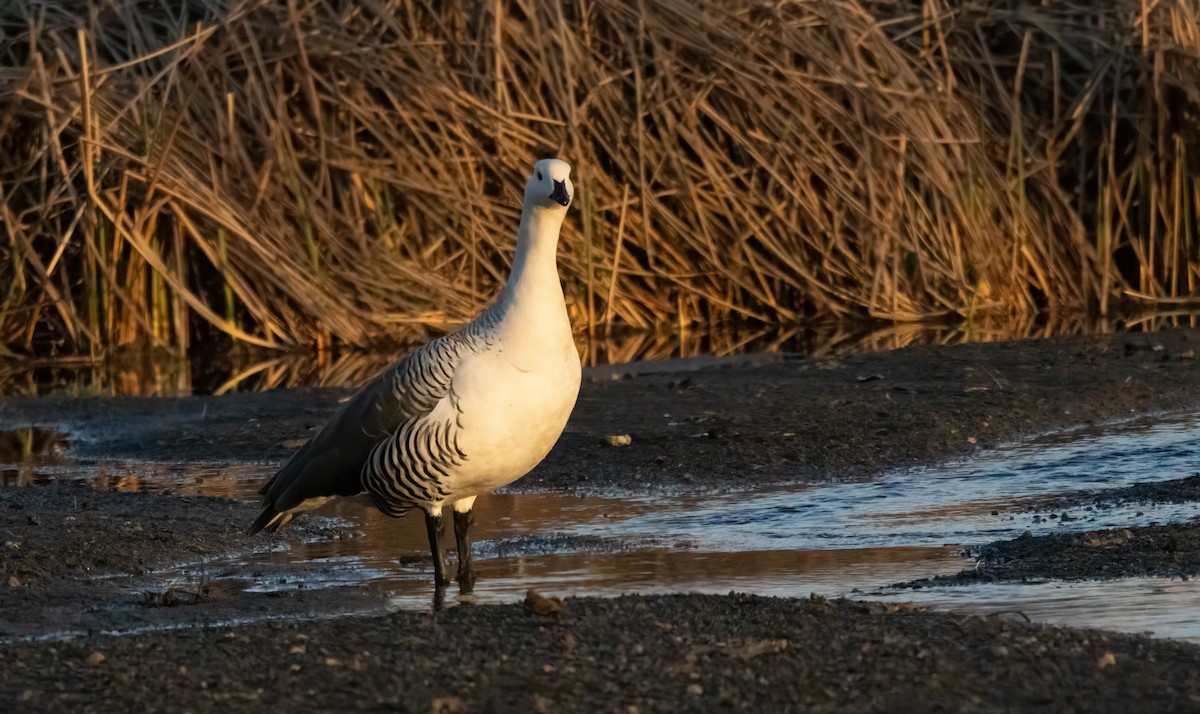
(550, 185)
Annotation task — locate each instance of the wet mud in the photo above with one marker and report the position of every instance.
(77, 560)
(73, 556)
(66, 530)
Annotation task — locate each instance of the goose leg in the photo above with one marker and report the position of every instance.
(462, 536)
(433, 527)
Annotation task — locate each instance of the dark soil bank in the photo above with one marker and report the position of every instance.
(747, 425)
(632, 654)
(1171, 550)
(1177, 490)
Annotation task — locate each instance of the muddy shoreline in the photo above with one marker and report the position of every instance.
(745, 425)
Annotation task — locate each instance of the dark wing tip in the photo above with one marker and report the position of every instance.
(264, 521)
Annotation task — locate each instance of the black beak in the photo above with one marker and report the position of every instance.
(560, 193)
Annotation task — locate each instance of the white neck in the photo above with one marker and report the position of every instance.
(533, 282)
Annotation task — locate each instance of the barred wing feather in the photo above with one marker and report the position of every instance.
(392, 409)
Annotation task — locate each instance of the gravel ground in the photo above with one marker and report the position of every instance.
(643, 654)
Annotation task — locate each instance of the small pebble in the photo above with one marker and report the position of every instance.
(542, 606)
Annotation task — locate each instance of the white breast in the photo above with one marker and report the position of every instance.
(513, 404)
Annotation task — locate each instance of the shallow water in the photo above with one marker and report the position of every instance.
(835, 538)
(1161, 606)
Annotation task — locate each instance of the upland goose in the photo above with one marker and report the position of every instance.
(459, 416)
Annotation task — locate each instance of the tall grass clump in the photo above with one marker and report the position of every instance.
(1100, 102)
(327, 171)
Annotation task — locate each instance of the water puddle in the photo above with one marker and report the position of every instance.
(836, 538)
(1159, 606)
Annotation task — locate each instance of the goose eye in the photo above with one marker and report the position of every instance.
(539, 175)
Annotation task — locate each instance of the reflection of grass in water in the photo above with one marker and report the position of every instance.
(23, 448)
(339, 181)
(162, 374)
(22, 443)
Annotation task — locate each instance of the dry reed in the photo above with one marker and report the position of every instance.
(310, 172)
